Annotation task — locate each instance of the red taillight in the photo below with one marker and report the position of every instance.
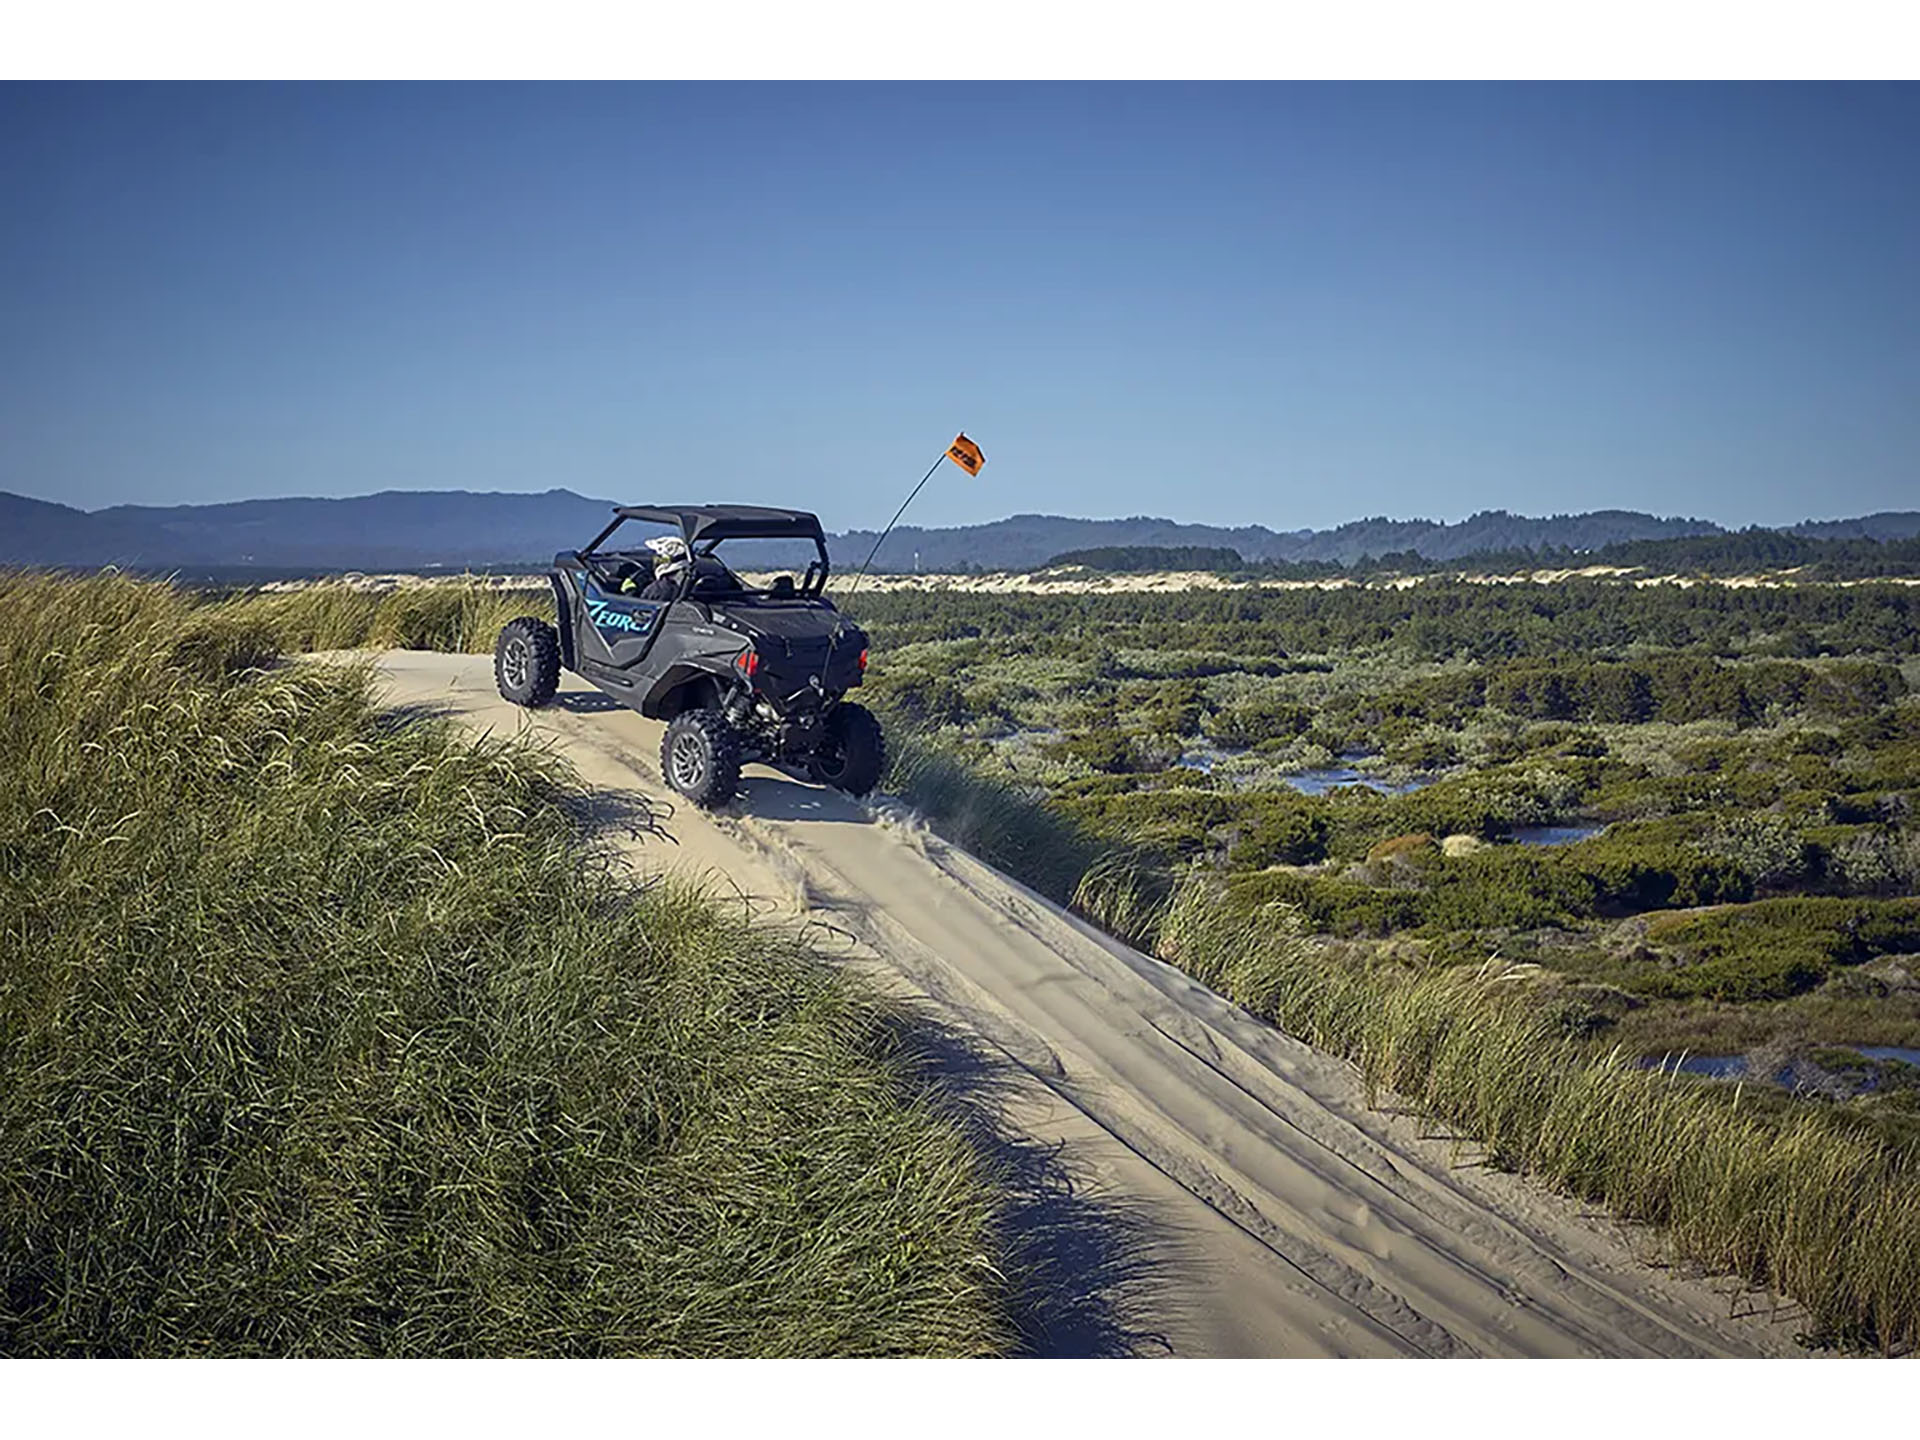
(863, 660)
(747, 662)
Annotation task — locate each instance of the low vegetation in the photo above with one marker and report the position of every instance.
(321, 1034)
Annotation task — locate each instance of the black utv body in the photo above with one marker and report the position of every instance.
(738, 672)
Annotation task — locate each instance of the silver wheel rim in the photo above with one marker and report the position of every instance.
(513, 664)
(688, 762)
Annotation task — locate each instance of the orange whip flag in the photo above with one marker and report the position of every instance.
(964, 453)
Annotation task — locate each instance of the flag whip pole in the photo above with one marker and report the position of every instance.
(891, 523)
(951, 452)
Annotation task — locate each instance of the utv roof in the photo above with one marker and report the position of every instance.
(728, 522)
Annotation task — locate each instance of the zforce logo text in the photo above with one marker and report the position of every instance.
(605, 617)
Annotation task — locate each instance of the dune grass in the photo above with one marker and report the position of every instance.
(1000, 823)
(463, 619)
(322, 1033)
(1782, 1198)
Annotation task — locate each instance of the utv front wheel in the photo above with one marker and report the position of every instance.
(526, 661)
(700, 757)
(853, 753)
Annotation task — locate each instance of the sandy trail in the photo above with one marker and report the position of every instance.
(1287, 1217)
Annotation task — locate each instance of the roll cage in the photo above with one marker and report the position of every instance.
(704, 528)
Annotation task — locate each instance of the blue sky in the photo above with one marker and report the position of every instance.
(1282, 304)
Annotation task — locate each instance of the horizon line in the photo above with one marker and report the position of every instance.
(1004, 519)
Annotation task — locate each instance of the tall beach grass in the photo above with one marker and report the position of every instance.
(1000, 823)
(462, 618)
(326, 1034)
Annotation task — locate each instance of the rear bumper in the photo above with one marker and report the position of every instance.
(793, 687)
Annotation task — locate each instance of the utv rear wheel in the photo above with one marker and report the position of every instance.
(526, 661)
(853, 753)
(700, 757)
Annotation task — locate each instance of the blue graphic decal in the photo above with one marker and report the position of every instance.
(617, 619)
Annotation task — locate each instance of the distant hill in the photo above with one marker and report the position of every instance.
(393, 530)
(456, 529)
(36, 532)
(1886, 525)
(1024, 542)
(390, 530)
(1488, 531)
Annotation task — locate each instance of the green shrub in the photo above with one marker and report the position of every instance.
(1168, 818)
(1772, 949)
(1108, 752)
(930, 701)
(1287, 834)
(1424, 752)
(1259, 718)
(1331, 906)
(1766, 848)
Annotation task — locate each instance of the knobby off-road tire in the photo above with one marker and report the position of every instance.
(853, 755)
(526, 661)
(700, 757)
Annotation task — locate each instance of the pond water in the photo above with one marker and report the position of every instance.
(1308, 782)
(1319, 782)
(1718, 1067)
(1795, 1075)
(1553, 834)
(1798, 1075)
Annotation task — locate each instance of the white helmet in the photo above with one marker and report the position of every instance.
(672, 555)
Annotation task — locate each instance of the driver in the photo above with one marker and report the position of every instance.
(673, 559)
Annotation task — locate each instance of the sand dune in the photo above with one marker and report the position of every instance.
(1285, 1216)
(1075, 581)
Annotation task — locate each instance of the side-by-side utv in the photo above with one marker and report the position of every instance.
(738, 672)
